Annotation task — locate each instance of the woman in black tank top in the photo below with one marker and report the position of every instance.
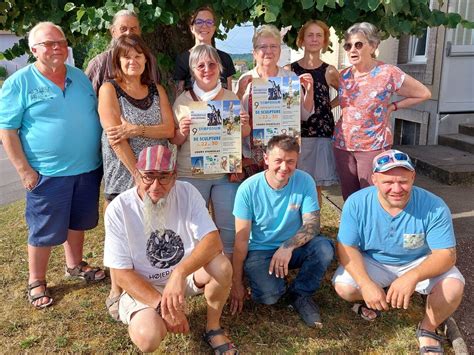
(316, 156)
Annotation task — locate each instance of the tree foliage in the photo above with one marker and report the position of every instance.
(165, 20)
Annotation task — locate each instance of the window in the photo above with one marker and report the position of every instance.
(418, 48)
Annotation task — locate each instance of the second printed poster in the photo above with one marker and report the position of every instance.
(276, 110)
(216, 138)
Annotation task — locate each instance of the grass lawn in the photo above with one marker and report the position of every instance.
(78, 322)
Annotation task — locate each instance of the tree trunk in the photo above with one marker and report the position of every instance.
(166, 42)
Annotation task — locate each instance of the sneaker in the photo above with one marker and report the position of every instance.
(308, 310)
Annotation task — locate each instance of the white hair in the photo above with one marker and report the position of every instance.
(124, 12)
(39, 26)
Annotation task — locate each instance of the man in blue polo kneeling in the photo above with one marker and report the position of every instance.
(277, 224)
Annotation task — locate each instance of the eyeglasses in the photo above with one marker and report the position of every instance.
(265, 47)
(162, 179)
(52, 44)
(209, 65)
(200, 22)
(391, 157)
(348, 46)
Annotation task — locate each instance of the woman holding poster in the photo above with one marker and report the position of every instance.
(266, 52)
(317, 156)
(206, 67)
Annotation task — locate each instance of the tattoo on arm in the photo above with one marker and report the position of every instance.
(309, 229)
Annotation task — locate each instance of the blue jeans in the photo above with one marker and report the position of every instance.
(222, 194)
(312, 259)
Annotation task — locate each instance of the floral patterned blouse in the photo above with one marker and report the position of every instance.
(365, 124)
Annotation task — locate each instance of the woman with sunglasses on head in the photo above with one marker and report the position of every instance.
(203, 24)
(135, 113)
(317, 156)
(266, 52)
(365, 92)
(206, 71)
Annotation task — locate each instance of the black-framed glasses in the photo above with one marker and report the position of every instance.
(163, 179)
(348, 46)
(200, 22)
(52, 44)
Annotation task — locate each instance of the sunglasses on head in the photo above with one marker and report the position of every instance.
(348, 46)
(390, 158)
(201, 22)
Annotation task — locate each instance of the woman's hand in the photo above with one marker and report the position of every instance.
(306, 81)
(115, 134)
(184, 126)
(243, 83)
(245, 123)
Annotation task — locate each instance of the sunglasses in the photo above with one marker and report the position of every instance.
(162, 179)
(201, 22)
(348, 46)
(52, 44)
(390, 158)
(210, 66)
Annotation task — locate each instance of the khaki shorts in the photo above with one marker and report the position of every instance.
(128, 306)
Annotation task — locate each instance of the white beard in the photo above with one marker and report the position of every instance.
(154, 215)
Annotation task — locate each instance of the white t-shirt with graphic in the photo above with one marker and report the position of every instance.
(155, 256)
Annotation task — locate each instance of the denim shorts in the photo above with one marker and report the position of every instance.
(57, 204)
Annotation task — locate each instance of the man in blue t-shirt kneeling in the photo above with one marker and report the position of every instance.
(397, 236)
(277, 225)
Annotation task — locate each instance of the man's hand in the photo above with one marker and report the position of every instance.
(177, 324)
(238, 295)
(172, 299)
(29, 179)
(401, 289)
(374, 296)
(280, 261)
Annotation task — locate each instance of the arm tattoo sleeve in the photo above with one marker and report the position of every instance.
(309, 229)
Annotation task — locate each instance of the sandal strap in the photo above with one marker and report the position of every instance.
(431, 349)
(212, 333)
(420, 332)
(221, 349)
(36, 284)
(45, 293)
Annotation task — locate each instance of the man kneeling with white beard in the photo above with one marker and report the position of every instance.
(164, 246)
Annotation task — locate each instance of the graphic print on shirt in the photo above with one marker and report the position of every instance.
(164, 249)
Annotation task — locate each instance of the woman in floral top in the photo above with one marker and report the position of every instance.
(365, 92)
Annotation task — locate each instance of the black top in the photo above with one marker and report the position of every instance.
(321, 122)
(143, 104)
(181, 69)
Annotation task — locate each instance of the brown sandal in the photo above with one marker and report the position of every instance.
(32, 298)
(79, 272)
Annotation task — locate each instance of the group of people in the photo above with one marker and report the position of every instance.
(59, 125)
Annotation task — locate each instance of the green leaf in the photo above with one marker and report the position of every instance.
(320, 4)
(307, 4)
(80, 13)
(453, 20)
(397, 6)
(373, 4)
(69, 6)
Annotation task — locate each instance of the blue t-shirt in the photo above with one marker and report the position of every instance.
(424, 225)
(59, 130)
(276, 215)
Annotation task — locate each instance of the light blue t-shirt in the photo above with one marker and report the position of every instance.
(276, 215)
(59, 130)
(424, 225)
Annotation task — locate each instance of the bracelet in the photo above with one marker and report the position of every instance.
(395, 105)
(143, 130)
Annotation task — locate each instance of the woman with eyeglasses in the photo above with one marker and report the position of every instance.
(216, 188)
(317, 156)
(135, 113)
(203, 24)
(266, 52)
(365, 95)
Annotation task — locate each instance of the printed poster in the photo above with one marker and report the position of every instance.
(216, 137)
(276, 110)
